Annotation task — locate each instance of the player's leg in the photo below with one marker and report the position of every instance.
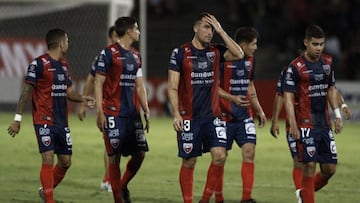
(307, 183)
(297, 166)
(328, 159)
(115, 176)
(62, 165)
(47, 177)
(105, 183)
(186, 178)
(247, 170)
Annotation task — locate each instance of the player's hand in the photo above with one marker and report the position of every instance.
(274, 129)
(262, 119)
(338, 125)
(90, 101)
(147, 121)
(240, 100)
(178, 123)
(294, 132)
(14, 128)
(347, 113)
(214, 23)
(82, 112)
(101, 121)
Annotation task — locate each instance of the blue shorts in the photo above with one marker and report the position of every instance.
(317, 145)
(124, 135)
(242, 132)
(200, 135)
(292, 145)
(56, 138)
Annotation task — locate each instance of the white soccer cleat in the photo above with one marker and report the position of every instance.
(298, 196)
(106, 186)
(41, 194)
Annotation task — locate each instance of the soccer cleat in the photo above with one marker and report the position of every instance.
(248, 201)
(106, 186)
(41, 194)
(298, 196)
(126, 195)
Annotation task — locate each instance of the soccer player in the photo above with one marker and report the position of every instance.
(236, 78)
(308, 86)
(193, 89)
(274, 129)
(119, 88)
(48, 80)
(88, 89)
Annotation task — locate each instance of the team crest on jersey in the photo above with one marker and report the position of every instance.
(311, 151)
(210, 56)
(114, 143)
(248, 65)
(240, 72)
(326, 68)
(187, 147)
(46, 140)
(61, 77)
(64, 68)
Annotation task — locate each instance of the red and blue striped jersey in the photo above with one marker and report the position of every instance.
(120, 67)
(50, 79)
(235, 77)
(199, 79)
(310, 81)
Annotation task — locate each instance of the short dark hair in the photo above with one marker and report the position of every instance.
(53, 37)
(122, 24)
(314, 31)
(200, 16)
(110, 31)
(245, 34)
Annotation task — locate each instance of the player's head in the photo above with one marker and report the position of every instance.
(112, 36)
(57, 38)
(204, 32)
(247, 37)
(127, 26)
(314, 41)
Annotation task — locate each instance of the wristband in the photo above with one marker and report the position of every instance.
(337, 113)
(18, 117)
(343, 106)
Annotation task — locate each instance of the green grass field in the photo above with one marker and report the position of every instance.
(157, 180)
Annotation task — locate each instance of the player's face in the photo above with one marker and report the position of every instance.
(204, 32)
(134, 33)
(314, 47)
(114, 38)
(249, 48)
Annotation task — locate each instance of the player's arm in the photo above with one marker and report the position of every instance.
(100, 117)
(234, 51)
(255, 104)
(239, 100)
(173, 85)
(332, 98)
(14, 127)
(141, 92)
(277, 105)
(289, 108)
(88, 89)
(342, 104)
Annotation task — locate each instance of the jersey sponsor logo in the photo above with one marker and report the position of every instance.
(140, 135)
(333, 147)
(250, 128)
(293, 147)
(220, 132)
(114, 143)
(210, 56)
(299, 64)
(326, 69)
(187, 136)
(44, 131)
(46, 140)
(130, 67)
(114, 133)
(68, 139)
(318, 77)
(310, 150)
(187, 147)
(240, 73)
(202, 65)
